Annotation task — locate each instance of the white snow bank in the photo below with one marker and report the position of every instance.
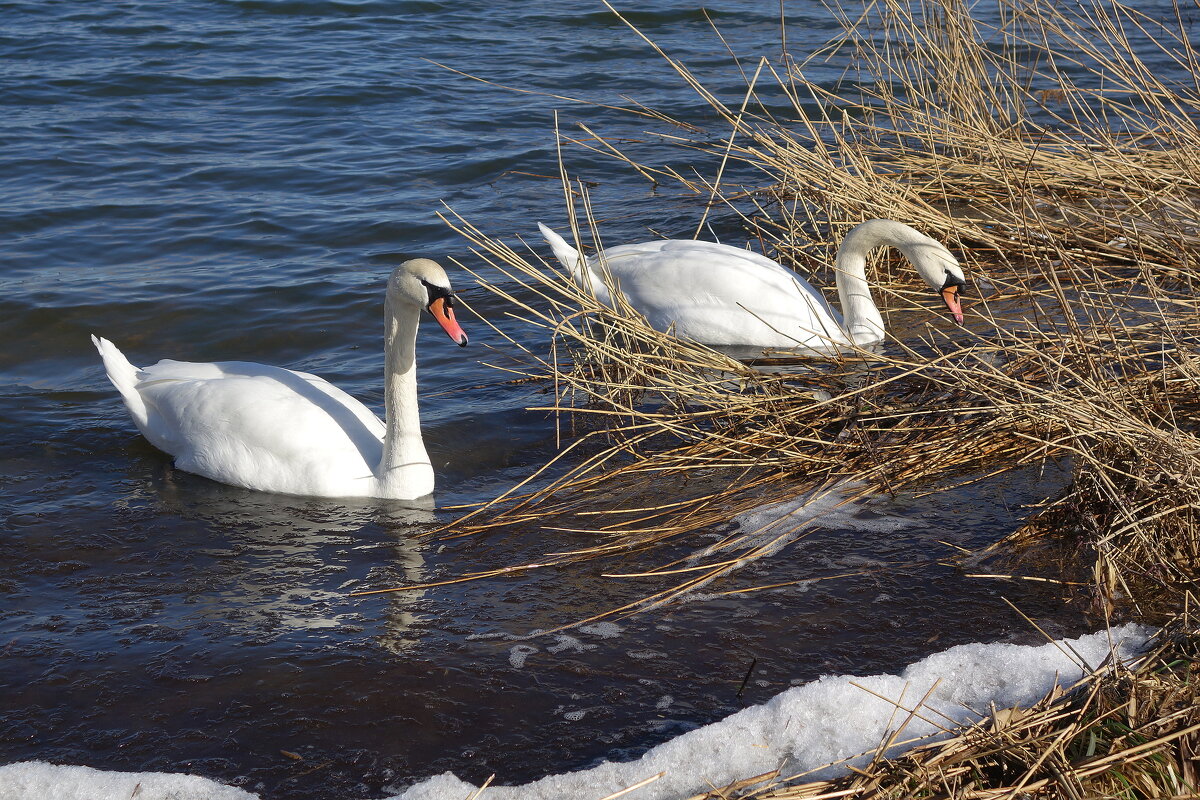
(822, 721)
(800, 729)
(37, 780)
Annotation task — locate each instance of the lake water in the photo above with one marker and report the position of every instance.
(234, 179)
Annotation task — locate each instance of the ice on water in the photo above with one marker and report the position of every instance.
(803, 728)
(769, 528)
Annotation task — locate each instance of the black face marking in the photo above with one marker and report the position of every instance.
(438, 291)
(952, 280)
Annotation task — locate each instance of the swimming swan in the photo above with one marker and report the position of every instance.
(276, 430)
(717, 294)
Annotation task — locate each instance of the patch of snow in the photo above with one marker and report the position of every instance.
(803, 728)
(830, 719)
(37, 780)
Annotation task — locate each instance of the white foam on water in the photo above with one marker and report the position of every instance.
(563, 642)
(605, 630)
(519, 653)
(800, 729)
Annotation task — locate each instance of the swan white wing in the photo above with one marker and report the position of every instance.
(168, 368)
(722, 295)
(696, 248)
(260, 427)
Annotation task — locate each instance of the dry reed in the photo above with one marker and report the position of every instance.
(1050, 156)
(1039, 142)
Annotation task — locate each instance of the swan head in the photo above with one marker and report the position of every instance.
(423, 283)
(937, 266)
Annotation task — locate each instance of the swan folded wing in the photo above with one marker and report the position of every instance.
(258, 426)
(188, 370)
(723, 295)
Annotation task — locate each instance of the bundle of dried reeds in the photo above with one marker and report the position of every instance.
(1065, 170)
(1094, 375)
(1038, 140)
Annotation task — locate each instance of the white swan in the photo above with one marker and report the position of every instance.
(275, 430)
(722, 295)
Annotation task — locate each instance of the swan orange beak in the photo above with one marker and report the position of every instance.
(953, 302)
(443, 312)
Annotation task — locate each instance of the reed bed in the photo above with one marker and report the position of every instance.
(1108, 378)
(1062, 168)
(1055, 148)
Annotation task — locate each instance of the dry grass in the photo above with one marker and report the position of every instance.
(1059, 166)
(1064, 169)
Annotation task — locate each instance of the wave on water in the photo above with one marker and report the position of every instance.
(803, 728)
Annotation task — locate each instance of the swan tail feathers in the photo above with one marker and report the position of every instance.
(568, 255)
(124, 377)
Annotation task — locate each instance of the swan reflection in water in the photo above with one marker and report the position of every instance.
(276, 565)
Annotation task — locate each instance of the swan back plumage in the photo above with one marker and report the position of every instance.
(719, 294)
(261, 427)
(709, 292)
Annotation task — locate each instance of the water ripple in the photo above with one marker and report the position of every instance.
(235, 179)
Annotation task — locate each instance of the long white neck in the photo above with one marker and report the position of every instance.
(860, 315)
(404, 470)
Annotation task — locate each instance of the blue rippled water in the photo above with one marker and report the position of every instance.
(235, 179)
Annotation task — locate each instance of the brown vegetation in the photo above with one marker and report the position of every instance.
(1062, 169)
(1056, 153)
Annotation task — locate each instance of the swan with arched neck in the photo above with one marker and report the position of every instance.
(722, 295)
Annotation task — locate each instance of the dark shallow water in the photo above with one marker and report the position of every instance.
(234, 180)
